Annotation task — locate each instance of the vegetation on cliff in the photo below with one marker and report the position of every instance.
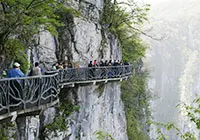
(124, 20)
(192, 113)
(20, 21)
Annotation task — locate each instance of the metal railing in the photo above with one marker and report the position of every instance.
(28, 92)
(95, 73)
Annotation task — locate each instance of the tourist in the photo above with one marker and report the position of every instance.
(95, 63)
(59, 66)
(101, 63)
(115, 63)
(69, 65)
(54, 66)
(126, 63)
(15, 72)
(90, 64)
(106, 63)
(36, 70)
(4, 74)
(15, 85)
(65, 65)
(110, 63)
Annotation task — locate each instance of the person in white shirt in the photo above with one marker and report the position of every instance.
(36, 70)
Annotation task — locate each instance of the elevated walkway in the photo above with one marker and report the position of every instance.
(20, 96)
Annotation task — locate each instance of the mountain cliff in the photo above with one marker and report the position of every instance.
(80, 40)
(77, 32)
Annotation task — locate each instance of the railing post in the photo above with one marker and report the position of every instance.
(39, 91)
(23, 96)
(61, 75)
(8, 94)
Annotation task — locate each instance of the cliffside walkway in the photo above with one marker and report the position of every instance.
(29, 94)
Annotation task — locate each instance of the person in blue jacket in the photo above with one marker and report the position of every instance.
(15, 85)
(15, 72)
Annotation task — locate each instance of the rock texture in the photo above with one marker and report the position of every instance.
(99, 112)
(104, 113)
(83, 39)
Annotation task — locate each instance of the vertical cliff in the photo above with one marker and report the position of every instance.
(101, 111)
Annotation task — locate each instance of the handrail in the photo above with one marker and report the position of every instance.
(25, 93)
(28, 77)
(95, 73)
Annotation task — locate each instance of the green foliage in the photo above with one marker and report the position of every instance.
(59, 124)
(119, 14)
(170, 126)
(15, 50)
(123, 19)
(67, 108)
(4, 134)
(133, 45)
(20, 20)
(4, 131)
(65, 11)
(24, 18)
(100, 89)
(136, 106)
(101, 135)
(193, 112)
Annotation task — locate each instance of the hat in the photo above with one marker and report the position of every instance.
(4, 73)
(16, 64)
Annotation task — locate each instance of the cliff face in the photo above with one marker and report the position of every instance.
(101, 110)
(81, 39)
(104, 113)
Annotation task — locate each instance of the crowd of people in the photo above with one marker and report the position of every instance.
(137, 65)
(92, 73)
(60, 65)
(16, 71)
(107, 63)
(36, 70)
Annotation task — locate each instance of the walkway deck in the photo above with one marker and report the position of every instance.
(28, 94)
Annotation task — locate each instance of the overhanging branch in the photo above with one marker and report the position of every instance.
(143, 33)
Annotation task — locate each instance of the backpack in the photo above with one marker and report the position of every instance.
(30, 73)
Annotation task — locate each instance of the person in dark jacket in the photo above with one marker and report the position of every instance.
(90, 64)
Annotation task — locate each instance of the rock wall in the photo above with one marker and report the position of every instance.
(104, 113)
(81, 39)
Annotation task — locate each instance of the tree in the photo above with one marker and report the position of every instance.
(20, 20)
(124, 19)
(121, 14)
